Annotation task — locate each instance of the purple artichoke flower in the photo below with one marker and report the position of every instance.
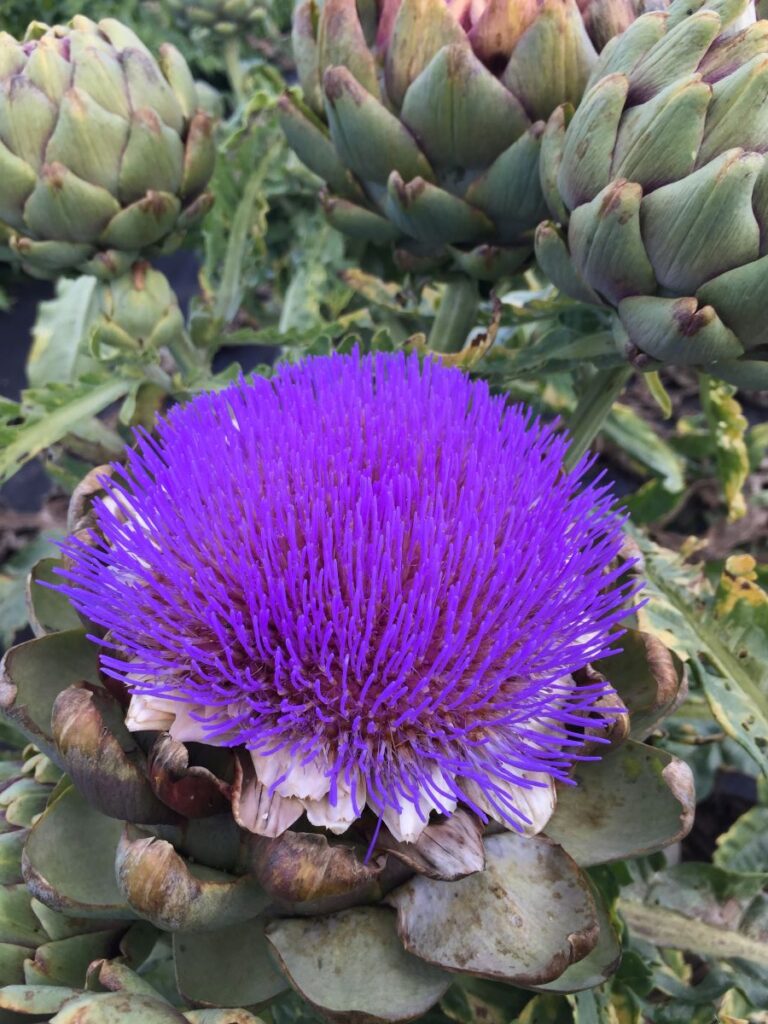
(374, 575)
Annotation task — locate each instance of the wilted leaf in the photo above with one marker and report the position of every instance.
(728, 427)
(729, 653)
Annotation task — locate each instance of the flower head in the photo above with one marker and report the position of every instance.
(374, 575)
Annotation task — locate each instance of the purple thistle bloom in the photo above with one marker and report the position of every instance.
(374, 575)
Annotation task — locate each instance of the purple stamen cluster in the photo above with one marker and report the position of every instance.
(369, 564)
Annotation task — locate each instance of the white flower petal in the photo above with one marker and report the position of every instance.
(442, 800)
(185, 728)
(147, 713)
(271, 767)
(266, 814)
(162, 714)
(405, 825)
(339, 816)
(307, 782)
(537, 802)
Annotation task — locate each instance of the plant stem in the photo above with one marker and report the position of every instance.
(189, 359)
(455, 316)
(234, 67)
(592, 409)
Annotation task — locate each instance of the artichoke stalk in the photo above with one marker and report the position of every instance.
(104, 154)
(268, 870)
(424, 117)
(660, 182)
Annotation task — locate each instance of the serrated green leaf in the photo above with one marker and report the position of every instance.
(729, 653)
(60, 336)
(744, 847)
(45, 415)
(13, 578)
(640, 441)
(317, 255)
(651, 501)
(701, 908)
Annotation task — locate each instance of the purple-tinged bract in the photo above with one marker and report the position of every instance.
(373, 574)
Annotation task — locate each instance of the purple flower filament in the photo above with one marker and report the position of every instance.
(366, 568)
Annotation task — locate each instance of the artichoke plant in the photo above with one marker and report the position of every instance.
(224, 17)
(660, 179)
(103, 152)
(337, 716)
(425, 117)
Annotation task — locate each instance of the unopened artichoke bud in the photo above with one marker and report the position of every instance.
(363, 686)
(138, 313)
(424, 117)
(104, 154)
(224, 17)
(661, 184)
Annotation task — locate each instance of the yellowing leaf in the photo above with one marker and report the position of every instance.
(728, 427)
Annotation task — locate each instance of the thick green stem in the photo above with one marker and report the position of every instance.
(456, 315)
(234, 68)
(592, 409)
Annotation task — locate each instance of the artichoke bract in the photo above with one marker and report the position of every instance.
(103, 152)
(54, 963)
(662, 181)
(346, 725)
(43, 951)
(424, 117)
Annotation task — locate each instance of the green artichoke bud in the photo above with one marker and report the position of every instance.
(137, 313)
(103, 152)
(163, 826)
(224, 17)
(661, 179)
(425, 117)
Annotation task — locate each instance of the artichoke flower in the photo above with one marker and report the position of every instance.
(103, 152)
(425, 121)
(661, 180)
(342, 727)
